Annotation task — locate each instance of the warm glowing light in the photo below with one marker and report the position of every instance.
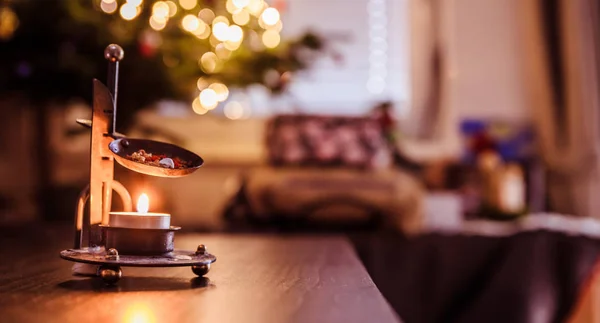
(241, 18)
(221, 90)
(241, 3)
(270, 16)
(157, 23)
(198, 108)
(188, 4)
(206, 15)
(128, 11)
(143, 203)
(202, 83)
(221, 31)
(139, 313)
(160, 9)
(231, 8)
(222, 52)
(208, 62)
(108, 6)
(277, 27)
(232, 46)
(135, 2)
(205, 32)
(233, 110)
(214, 42)
(255, 7)
(201, 29)
(172, 8)
(9, 22)
(236, 34)
(221, 19)
(271, 38)
(209, 99)
(190, 23)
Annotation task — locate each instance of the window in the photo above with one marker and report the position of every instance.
(372, 38)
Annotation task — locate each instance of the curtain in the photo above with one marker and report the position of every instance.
(431, 130)
(560, 44)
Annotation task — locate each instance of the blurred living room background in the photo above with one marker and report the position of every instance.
(346, 116)
(444, 82)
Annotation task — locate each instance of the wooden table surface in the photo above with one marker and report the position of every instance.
(255, 279)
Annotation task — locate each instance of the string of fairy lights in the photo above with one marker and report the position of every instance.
(378, 33)
(224, 33)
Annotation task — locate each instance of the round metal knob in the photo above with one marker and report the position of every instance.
(110, 275)
(201, 249)
(114, 53)
(201, 270)
(112, 254)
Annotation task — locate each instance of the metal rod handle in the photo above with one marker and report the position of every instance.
(82, 220)
(113, 53)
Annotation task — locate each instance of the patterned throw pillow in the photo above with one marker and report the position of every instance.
(310, 140)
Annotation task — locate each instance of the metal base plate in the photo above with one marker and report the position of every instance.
(177, 258)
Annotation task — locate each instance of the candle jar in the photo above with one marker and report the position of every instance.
(136, 241)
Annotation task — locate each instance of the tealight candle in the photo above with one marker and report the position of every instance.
(142, 219)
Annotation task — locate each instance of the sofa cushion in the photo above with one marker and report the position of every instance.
(311, 140)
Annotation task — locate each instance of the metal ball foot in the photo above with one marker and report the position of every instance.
(110, 274)
(201, 270)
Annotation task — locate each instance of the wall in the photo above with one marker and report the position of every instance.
(488, 80)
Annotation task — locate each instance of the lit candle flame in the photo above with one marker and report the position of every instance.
(143, 203)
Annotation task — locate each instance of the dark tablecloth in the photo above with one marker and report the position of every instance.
(532, 276)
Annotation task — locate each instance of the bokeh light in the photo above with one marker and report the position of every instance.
(221, 31)
(241, 3)
(157, 23)
(270, 16)
(160, 10)
(188, 4)
(222, 19)
(205, 32)
(208, 62)
(128, 11)
(271, 38)
(172, 8)
(231, 8)
(190, 23)
(232, 46)
(241, 18)
(200, 29)
(208, 99)
(222, 51)
(234, 110)
(202, 83)
(214, 42)
(236, 34)
(255, 7)
(198, 108)
(206, 15)
(277, 27)
(109, 6)
(135, 2)
(221, 90)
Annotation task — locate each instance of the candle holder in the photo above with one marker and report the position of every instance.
(105, 245)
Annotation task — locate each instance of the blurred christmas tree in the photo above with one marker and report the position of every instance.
(182, 49)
